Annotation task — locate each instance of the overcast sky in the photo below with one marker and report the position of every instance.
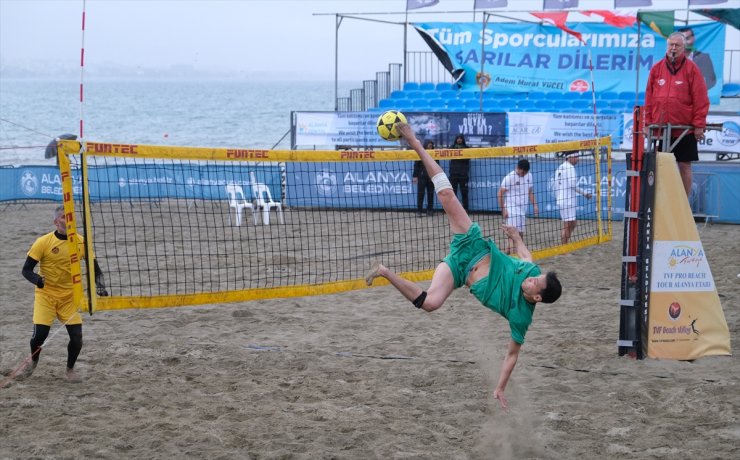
(245, 38)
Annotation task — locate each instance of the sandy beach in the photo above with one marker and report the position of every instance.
(363, 374)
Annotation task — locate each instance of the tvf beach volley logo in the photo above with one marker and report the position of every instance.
(29, 183)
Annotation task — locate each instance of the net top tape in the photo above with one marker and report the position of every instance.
(67, 147)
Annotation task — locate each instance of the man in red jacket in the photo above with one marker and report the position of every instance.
(676, 93)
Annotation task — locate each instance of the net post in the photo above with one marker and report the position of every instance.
(635, 285)
(87, 225)
(65, 148)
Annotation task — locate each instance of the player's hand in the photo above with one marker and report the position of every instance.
(505, 214)
(511, 232)
(498, 394)
(536, 210)
(40, 282)
(405, 131)
(699, 133)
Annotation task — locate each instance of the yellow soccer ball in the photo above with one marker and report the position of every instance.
(388, 125)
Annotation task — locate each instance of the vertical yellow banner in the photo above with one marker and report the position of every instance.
(72, 237)
(685, 317)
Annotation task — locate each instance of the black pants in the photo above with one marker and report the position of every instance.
(461, 184)
(424, 186)
(41, 331)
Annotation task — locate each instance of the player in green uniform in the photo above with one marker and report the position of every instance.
(506, 285)
(53, 296)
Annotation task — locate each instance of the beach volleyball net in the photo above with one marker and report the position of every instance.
(173, 226)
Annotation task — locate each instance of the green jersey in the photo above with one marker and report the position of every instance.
(501, 290)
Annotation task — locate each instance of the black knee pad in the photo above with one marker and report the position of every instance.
(419, 301)
(40, 333)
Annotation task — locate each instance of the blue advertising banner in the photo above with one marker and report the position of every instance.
(388, 185)
(150, 181)
(370, 185)
(520, 57)
(34, 183)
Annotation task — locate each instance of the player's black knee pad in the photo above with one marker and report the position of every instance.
(419, 301)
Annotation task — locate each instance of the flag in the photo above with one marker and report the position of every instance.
(560, 4)
(485, 4)
(558, 20)
(660, 21)
(729, 16)
(705, 2)
(632, 3)
(416, 4)
(620, 19)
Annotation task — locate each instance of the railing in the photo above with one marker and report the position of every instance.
(423, 66)
(372, 91)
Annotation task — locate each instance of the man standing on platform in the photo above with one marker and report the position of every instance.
(676, 94)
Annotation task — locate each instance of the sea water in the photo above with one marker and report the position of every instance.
(184, 113)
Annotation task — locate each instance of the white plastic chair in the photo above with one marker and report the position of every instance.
(263, 200)
(238, 201)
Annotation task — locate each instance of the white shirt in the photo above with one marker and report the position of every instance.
(566, 182)
(516, 197)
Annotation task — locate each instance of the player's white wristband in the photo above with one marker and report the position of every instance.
(441, 182)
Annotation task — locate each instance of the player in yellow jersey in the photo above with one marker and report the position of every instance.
(53, 296)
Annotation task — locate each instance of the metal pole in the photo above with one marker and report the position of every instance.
(637, 62)
(405, 47)
(338, 22)
(482, 61)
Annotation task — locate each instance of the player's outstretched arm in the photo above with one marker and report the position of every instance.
(519, 246)
(507, 367)
(431, 166)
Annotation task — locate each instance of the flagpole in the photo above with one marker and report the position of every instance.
(405, 45)
(593, 90)
(637, 62)
(482, 62)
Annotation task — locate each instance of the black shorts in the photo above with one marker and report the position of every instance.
(686, 150)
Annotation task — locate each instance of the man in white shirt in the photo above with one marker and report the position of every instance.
(566, 188)
(514, 195)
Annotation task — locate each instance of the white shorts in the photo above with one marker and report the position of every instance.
(516, 221)
(567, 210)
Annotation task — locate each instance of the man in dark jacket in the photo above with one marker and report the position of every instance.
(424, 185)
(460, 172)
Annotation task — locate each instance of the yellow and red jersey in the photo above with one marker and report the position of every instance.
(53, 256)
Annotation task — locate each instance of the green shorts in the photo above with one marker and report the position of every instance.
(465, 251)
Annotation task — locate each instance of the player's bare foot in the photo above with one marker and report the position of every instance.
(27, 371)
(71, 376)
(373, 273)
